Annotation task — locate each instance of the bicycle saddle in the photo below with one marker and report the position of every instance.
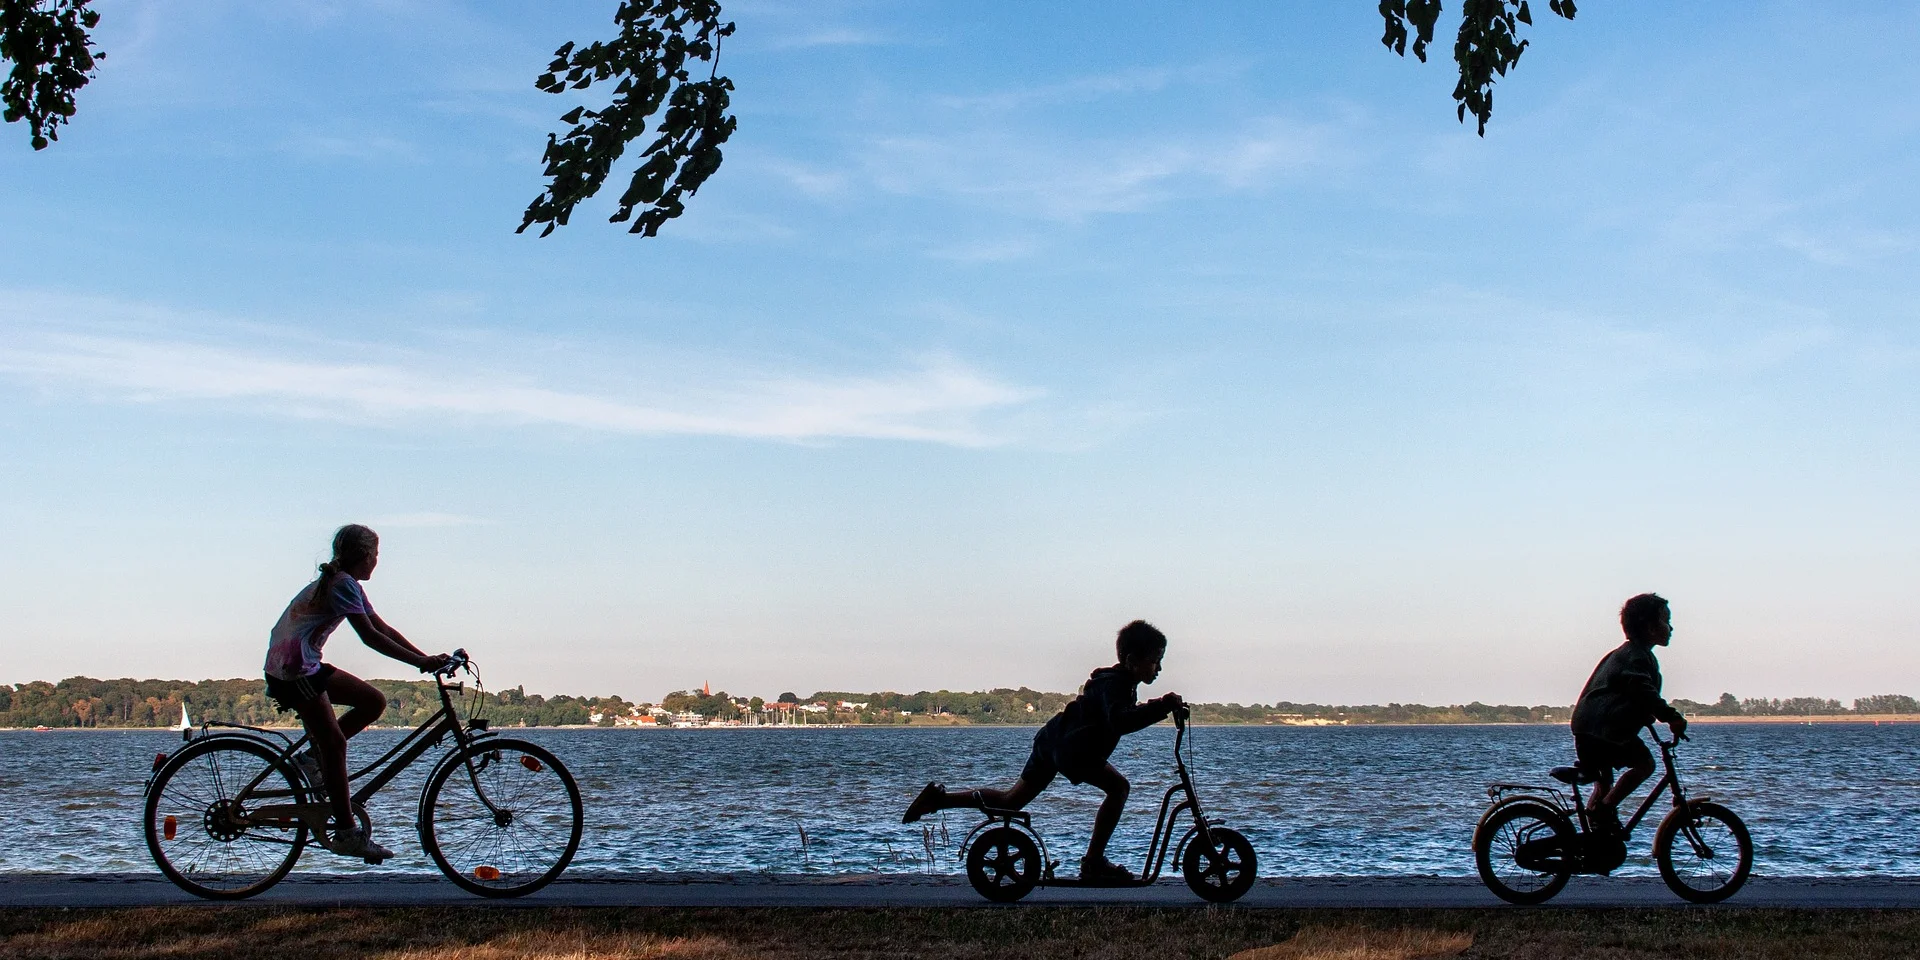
(1573, 776)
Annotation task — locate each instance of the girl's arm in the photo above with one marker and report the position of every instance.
(392, 645)
(393, 634)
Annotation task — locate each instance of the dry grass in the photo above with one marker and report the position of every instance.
(1364, 943)
(484, 932)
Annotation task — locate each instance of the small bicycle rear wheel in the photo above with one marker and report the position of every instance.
(1223, 872)
(1704, 852)
(502, 819)
(201, 825)
(1003, 864)
(1524, 852)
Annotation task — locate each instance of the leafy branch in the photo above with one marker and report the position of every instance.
(658, 40)
(52, 56)
(1487, 45)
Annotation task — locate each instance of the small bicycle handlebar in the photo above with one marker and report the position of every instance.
(456, 662)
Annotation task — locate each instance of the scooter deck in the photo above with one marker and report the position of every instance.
(1102, 884)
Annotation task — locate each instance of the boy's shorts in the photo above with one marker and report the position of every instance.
(297, 693)
(1599, 754)
(1042, 767)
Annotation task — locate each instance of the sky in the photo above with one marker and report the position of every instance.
(1002, 325)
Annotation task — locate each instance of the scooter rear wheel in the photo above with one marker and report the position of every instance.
(1223, 872)
(1003, 864)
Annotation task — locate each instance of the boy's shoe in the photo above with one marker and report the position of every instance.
(1606, 822)
(353, 843)
(309, 767)
(927, 802)
(1101, 872)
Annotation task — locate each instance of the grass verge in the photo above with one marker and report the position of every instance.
(481, 933)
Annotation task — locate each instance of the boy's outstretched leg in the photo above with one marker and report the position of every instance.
(1096, 867)
(936, 796)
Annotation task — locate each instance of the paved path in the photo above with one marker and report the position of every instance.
(895, 891)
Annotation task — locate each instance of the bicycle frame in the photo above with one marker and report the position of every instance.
(1669, 780)
(445, 722)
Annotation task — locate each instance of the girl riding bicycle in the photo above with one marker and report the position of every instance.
(299, 681)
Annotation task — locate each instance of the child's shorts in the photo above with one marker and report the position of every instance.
(299, 692)
(1597, 754)
(1042, 767)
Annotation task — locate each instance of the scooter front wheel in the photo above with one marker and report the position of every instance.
(1223, 871)
(1003, 864)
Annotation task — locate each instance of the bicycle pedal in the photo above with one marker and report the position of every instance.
(375, 861)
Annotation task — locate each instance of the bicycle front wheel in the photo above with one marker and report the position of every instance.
(502, 819)
(204, 822)
(1704, 852)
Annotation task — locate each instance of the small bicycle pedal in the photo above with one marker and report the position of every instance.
(375, 861)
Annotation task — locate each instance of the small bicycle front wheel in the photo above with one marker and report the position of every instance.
(1704, 852)
(1003, 864)
(502, 819)
(202, 818)
(1524, 852)
(1223, 872)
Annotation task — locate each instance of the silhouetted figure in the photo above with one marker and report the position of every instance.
(300, 681)
(1077, 742)
(1621, 697)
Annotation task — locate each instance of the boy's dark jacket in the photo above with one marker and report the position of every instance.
(1622, 696)
(1084, 735)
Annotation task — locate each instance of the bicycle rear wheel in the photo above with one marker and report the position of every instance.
(502, 819)
(200, 818)
(1524, 852)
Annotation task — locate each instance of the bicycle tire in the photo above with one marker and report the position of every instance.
(1223, 878)
(519, 835)
(1496, 852)
(191, 830)
(1693, 883)
(1003, 864)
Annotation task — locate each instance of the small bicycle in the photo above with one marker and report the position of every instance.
(1007, 858)
(228, 814)
(1532, 839)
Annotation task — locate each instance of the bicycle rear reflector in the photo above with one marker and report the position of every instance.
(159, 760)
(486, 873)
(170, 826)
(531, 763)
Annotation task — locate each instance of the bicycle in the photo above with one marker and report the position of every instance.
(228, 815)
(1006, 861)
(1532, 839)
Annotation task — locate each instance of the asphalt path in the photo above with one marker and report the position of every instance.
(30, 890)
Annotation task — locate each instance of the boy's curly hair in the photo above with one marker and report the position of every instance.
(1139, 638)
(1639, 614)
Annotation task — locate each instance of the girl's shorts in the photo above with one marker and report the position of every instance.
(297, 693)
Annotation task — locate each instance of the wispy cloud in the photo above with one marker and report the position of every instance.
(828, 37)
(934, 400)
(428, 519)
(1073, 179)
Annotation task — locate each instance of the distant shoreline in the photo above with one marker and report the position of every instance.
(1871, 718)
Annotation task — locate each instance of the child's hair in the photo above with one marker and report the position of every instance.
(351, 544)
(1139, 638)
(1639, 615)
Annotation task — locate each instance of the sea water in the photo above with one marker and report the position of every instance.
(1823, 800)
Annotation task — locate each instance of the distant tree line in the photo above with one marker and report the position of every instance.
(86, 702)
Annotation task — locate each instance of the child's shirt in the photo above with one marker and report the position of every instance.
(1084, 735)
(293, 649)
(1622, 696)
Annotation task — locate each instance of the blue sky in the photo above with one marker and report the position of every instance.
(1003, 324)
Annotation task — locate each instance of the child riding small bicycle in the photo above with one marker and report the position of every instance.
(299, 681)
(1077, 742)
(1621, 697)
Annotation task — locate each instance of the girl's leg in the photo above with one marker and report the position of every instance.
(1104, 822)
(364, 703)
(330, 746)
(937, 797)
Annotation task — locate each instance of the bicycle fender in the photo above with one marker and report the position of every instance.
(450, 757)
(1547, 808)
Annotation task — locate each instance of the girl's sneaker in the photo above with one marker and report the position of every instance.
(353, 843)
(1101, 872)
(309, 767)
(927, 802)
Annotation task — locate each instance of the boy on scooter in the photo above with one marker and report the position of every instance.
(1077, 742)
(1622, 696)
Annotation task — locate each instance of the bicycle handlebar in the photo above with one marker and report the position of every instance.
(456, 662)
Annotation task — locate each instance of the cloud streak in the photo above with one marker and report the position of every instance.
(938, 400)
